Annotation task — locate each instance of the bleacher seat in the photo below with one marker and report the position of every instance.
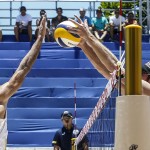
(58, 92)
(60, 82)
(24, 38)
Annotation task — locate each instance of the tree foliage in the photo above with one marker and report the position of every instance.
(109, 7)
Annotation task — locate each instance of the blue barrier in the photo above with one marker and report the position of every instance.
(49, 63)
(55, 46)
(39, 125)
(34, 111)
(56, 102)
(53, 113)
(58, 92)
(47, 73)
(61, 82)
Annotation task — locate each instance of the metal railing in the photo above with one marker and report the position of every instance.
(10, 9)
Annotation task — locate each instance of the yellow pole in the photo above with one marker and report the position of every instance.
(132, 128)
(133, 73)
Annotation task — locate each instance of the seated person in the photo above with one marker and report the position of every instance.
(38, 21)
(130, 19)
(23, 24)
(0, 34)
(99, 25)
(58, 19)
(114, 22)
(83, 17)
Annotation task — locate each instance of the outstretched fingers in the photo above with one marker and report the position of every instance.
(78, 28)
(86, 24)
(79, 20)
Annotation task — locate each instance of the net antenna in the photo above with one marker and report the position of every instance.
(75, 114)
(120, 49)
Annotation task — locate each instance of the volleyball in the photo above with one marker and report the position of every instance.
(63, 37)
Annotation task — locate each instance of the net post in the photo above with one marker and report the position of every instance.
(133, 73)
(132, 126)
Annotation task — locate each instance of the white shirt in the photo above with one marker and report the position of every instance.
(3, 133)
(23, 20)
(116, 21)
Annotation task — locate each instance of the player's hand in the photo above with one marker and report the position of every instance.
(42, 28)
(82, 28)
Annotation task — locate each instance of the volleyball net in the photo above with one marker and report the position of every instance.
(100, 126)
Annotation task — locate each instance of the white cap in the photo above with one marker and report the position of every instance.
(82, 9)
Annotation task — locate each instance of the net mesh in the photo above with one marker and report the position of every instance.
(101, 134)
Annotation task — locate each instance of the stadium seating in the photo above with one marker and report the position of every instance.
(34, 111)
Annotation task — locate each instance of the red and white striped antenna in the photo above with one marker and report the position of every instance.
(120, 48)
(75, 113)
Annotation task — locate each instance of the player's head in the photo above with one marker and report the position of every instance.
(66, 118)
(23, 10)
(146, 72)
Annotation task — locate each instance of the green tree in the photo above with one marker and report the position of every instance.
(113, 5)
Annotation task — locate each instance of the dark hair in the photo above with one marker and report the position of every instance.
(117, 10)
(43, 12)
(22, 8)
(98, 10)
(59, 8)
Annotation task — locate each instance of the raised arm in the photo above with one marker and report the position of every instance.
(100, 56)
(107, 58)
(9, 88)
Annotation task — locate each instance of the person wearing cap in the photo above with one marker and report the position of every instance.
(82, 13)
(114, 22)
(146, 72)
(38, 21)
(100, 25)
(64, 138)
(23, 24)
